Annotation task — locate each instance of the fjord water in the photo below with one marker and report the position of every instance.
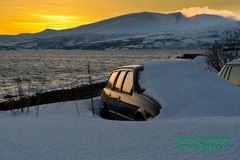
(54, 69)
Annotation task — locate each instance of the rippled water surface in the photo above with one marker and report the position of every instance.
(54, 69)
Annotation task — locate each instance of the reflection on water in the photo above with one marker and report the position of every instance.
(57, 69)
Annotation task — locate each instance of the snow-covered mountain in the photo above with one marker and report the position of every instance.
(138, 30)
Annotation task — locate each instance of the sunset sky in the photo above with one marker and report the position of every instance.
(30, 16)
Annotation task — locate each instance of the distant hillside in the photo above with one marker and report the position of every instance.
(132, 31)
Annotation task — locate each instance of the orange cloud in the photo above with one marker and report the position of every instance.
(192, 11)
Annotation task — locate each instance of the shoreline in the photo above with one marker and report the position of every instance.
(78, 93)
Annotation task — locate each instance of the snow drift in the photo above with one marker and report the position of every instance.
(185, 89)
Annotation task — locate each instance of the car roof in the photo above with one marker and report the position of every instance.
(130, 67)
(234, 62)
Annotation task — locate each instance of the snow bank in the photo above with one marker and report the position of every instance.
(185, 89)
(60, 134)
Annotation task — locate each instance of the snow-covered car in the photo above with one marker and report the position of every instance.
(123, 96)
(231, 72)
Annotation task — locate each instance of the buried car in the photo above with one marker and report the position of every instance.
(231, 72)
(124, 98)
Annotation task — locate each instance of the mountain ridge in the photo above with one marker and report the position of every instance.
(125, 27)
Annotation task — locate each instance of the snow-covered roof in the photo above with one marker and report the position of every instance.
(235, 61)
(130, 66)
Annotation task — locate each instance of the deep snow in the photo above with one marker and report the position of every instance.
(58, 133)
(185, 88)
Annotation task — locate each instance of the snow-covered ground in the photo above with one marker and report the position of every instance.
(59, 133)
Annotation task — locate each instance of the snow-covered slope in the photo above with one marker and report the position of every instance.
(185, 89)
(138, 30)
(147, 22)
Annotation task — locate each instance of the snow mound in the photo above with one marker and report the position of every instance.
(185, 89)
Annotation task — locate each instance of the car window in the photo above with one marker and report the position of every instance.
(112, 79)
(119, 82)
(234, 76)
(128, 83)
(223, 70)
(226, 74)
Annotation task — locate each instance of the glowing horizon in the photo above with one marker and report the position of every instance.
(31, 17)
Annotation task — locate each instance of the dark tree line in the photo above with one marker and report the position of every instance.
(224, 50)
